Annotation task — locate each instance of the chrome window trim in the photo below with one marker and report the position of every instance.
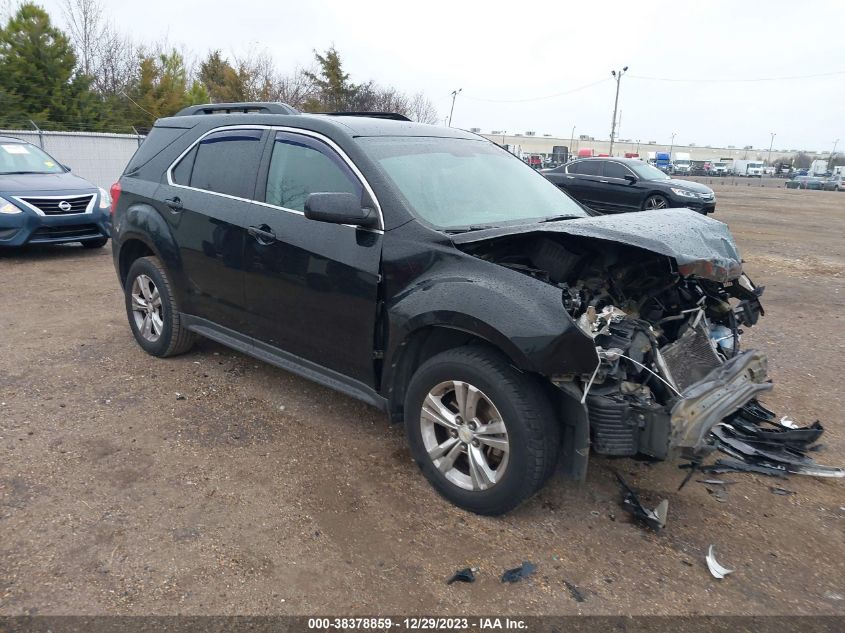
(89, 209)
(280, 128)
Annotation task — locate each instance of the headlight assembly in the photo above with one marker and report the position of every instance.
(7, 208)
(105, 198)
(684, 193)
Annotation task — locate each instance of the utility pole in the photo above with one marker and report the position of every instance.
(455, 94)
(672, 145)
(832, 155)
(618, 77)
(770, 146)
(571, 141)
(638, 147)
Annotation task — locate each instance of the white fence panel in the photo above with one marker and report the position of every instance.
(99, 158)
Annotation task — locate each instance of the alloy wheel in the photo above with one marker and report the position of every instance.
(655, 202)
(464, 435)
(146, 308)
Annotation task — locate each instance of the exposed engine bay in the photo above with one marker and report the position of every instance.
(668, 344)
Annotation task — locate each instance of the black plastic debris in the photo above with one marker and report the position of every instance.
(574, 592)
(783, 492)
(717, 482)
(462, 575)
(765, 445)
(722, 466)
(655, 519)
(518, 573)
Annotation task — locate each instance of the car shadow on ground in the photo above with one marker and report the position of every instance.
(44, 252)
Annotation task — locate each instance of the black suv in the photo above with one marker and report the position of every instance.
(430, 273)
(614, 185)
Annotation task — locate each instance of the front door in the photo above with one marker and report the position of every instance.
(311, 286)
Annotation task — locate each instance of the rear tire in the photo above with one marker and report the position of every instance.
(518, 435)
(152, 310)
(98, 243)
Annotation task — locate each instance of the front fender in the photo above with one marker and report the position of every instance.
(522, 316)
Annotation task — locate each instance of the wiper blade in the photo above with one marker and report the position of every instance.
(471, 227)
(16, 173)
(557, 218)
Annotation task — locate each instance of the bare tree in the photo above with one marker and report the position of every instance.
(105, 55)
(294, 89)
(422, 110)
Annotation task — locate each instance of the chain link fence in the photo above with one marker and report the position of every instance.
(98, 157)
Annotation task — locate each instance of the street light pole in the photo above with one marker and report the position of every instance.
(672, 145)
(618, 77)
(455, 94)
(770, 146)
(832, 155)
(571, 142)
(638, 147)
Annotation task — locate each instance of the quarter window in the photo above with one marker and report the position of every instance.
(301, 165)
(224, 162)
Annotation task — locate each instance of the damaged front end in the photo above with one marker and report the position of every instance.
(665, 307)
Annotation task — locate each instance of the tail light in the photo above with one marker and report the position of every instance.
(115, 196)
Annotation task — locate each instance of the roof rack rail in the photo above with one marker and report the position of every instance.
(255, 107)
(395, 116)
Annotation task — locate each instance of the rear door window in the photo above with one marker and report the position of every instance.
(226, 162)
(301, 165)
(591, 167)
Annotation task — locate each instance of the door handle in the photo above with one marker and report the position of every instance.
(263, 234)
(175, 203)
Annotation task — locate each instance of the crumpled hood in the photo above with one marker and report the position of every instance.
(701, 246)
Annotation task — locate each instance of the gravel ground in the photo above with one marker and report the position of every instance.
(258, 492)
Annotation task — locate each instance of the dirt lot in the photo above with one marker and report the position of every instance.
(260, 492)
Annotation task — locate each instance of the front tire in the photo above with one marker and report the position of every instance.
(483, 433)
(153, 313)
(655, 201)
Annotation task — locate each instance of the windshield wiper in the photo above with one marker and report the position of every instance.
(16, 173)
(557, 218)
(471, 227)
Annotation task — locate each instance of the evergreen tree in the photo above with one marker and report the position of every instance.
(37, 74)
(335, 92)
(223, 82)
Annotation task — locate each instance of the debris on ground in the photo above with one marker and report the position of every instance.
(180, 396)
(719, 494)
(715, 568)
(655, 519)
(768, 446)
(717, 482)
(777, 490)
(518, 573)
(575, 592)
(467, 574)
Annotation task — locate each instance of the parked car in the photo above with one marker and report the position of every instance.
(834, 183)
(613, 185)
(428, 272)
(805, 182)
(42, 202)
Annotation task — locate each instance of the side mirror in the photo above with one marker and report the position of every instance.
(339, 208)
(631, 178)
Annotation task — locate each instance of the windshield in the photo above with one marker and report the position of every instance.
(647, 172)
(462, 183)
(16, 158)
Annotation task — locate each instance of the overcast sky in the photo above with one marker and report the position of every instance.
(499, 51)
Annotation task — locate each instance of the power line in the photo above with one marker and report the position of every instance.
(746, 80)
(139, 107)
(552, 96)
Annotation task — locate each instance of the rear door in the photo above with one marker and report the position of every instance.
(586, 176)
(312, 287)
(207, 196)
(619, 193)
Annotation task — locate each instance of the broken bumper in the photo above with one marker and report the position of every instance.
(719, 394)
